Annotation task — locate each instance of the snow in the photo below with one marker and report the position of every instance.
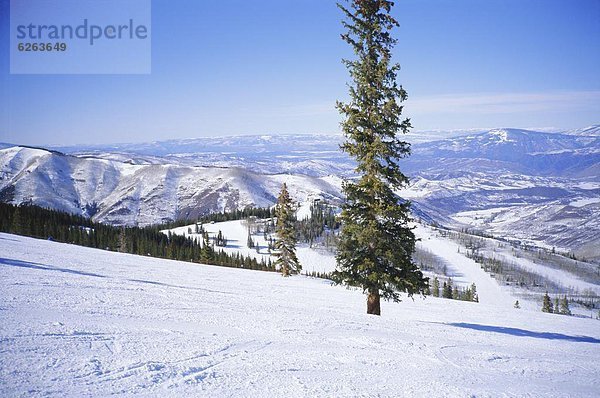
(312, 259)
(466, 270)
(303, 210)
(500, 136)
(589, 185)
(236, 233)
(315, 259)
(477, 218)
(558, 276)
(85, 322)
(584, 202)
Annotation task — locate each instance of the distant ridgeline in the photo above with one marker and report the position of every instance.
(38, 222)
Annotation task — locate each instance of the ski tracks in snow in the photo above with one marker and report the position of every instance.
(171, 373)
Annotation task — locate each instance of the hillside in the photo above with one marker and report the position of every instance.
(120, 193)
(79, 321)
(537, 271)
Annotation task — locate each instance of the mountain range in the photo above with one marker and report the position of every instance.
(536, 187)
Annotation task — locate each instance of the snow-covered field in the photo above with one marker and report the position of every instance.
(83, 322)
(463, 270)
(236, 233)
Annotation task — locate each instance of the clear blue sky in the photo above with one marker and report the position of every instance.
(273, 66)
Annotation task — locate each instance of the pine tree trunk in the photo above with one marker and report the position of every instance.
(373, 305)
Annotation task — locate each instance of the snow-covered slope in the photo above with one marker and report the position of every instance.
(459, 266)
(84, 322)
(316, 155)
(122, 193)
(511, 151)
(516, 184)
(590, 131)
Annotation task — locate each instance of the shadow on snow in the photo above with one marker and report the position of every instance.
(27, 264)
(525, 333)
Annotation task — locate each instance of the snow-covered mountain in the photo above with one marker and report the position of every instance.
(540, 188)
(511, 150)
(316, 155)
(536, 187)
(590, 131)
(122, 193)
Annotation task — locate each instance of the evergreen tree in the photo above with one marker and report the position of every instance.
(206, 252)
(376, 244)
(564, 306)
(286, 235)
(547, 304)
(436, 287)
(467, 295)
(17, 224)
(556, 305)
(122, 241)
(455, 293)
(447, 290)
(220, 239)
(474, 296)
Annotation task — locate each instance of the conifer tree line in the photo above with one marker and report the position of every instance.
(322, 219)
(447, 290)
(237, 214)
(38, 222)
(241, 214)
(560, 306)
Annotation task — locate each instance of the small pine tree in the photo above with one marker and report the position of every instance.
(286, 235)
(17, 223)
(517, 305)
(122, 241)
(206, 252)
(447, 290)
(564, 306)
(556, 305)
(436, 287)
(547, 304)
(220, 240)
(474, 296)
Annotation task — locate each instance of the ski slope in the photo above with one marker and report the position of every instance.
(464, 270)
(236, 233)
(318, 259)
(84, 322)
